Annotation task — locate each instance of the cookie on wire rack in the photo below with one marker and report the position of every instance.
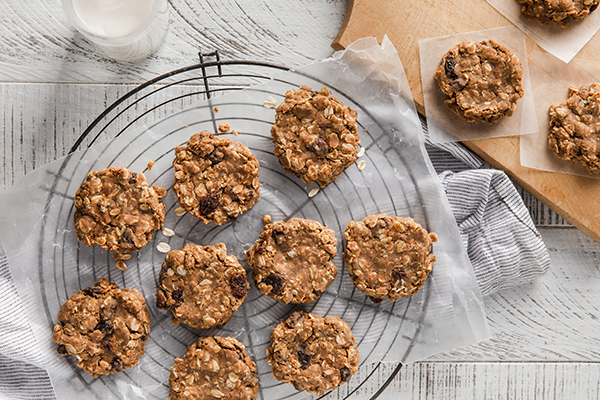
(313, 353)
(291, 260)
(388, 256)
(214, 368)
(202, 286)
(117, 210)
(103, 327)
(315, 135)
(216, 179)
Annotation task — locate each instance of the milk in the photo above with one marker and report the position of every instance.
(121, 29)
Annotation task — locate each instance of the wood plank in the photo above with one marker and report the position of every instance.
(37, 43)
(405, 22)
(495, 381)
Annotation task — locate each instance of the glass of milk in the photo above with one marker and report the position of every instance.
(124, 30)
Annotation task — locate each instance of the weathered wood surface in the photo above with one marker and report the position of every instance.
(406, 22)
(546, 335)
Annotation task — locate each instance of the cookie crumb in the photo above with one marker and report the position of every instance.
(163, 247)
(361, 152)
(271, 103)
(168, 232)
(267, 219)
(235, 132)
(224, 127)
(120, 264)
(179, 211)
(361, 165)
(216, 109)
(313, 192)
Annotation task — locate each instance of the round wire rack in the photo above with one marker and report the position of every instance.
(165, 97)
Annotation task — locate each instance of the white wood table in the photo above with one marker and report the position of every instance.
(546, 335)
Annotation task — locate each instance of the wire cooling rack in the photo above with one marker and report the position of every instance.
(159, 99)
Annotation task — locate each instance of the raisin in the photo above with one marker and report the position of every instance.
(238, 286)
(261, 247)
(398, 274)
(105, 327)
(276, 282)
(320, 147)
(276, 234)
(116, 365)
(132, 178)
(304, 359)
(345, 374)
(293, 319)
(127, 240)
(376, 300)
(62, 350)
(449, 66)
(177, 297)
(214, 158)
(161, 299)
(92, 291)
(209, 203)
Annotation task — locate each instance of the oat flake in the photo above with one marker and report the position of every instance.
(163, 247)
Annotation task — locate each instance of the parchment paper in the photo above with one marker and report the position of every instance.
(48, 264)
(563, 43)
(551, 79)
(444, 125)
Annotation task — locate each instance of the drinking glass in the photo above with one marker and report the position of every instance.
(124, 30)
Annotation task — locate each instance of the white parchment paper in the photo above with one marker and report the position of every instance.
(563, 43)
(49, 265)
(551, 79)
(443, 124)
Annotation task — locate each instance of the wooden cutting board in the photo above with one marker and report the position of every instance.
(405, 22)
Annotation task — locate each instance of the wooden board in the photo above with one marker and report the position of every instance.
(575, 198)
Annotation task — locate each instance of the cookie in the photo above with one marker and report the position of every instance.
(214, 368)
(291, 260)
(104, 328)
(482, 81)
(216, 179)
(117, 210)
(313, 353)
(575, 127)
(563, 12)
(201, 285)
(315, 135)
(388, 256)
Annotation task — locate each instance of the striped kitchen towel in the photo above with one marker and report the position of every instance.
(502, 242)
